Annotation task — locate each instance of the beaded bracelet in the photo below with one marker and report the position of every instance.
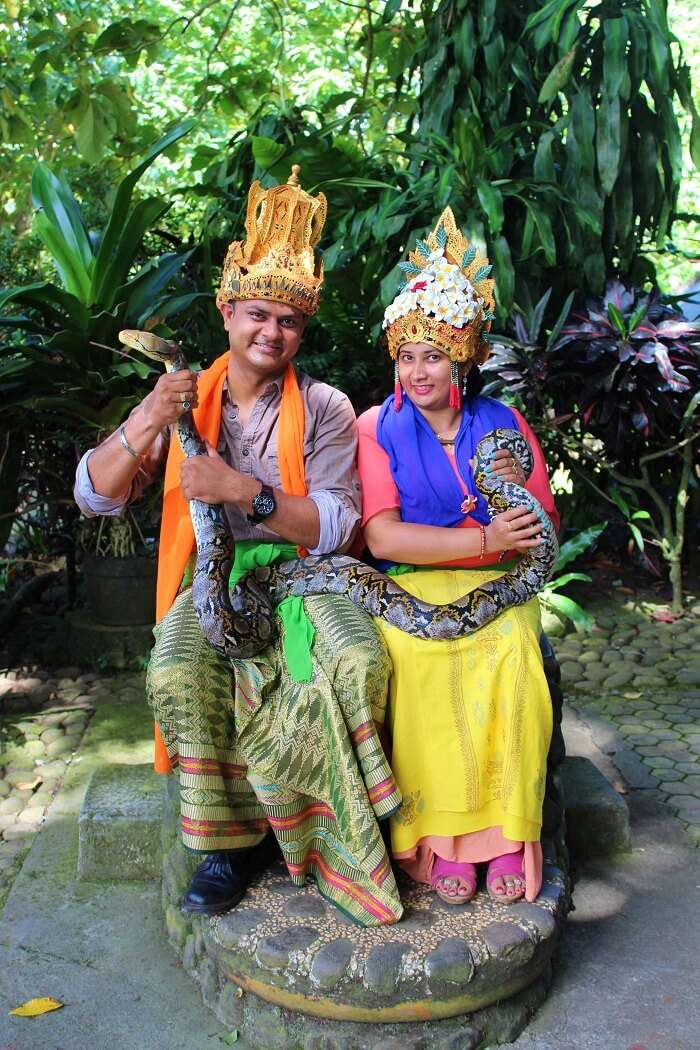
(482, 552)
(127, 446)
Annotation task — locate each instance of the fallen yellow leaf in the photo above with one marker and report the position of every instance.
(36, 1007)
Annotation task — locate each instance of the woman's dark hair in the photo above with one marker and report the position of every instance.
(475, 382)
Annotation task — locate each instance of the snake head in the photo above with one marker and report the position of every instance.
(163, 350)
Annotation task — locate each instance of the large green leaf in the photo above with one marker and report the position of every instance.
(695, 139)
(176, 304)
(558, 78)
(94, 133)
(569, 608)
(505, 277)
(608, 141)
(60, 225)
(141, 293)
(106, 283)
(75, 278)
(109, 246)
(559, 323)
(543, 224)
(75, 408)
(354, 180)
(53, 197)
(50, 301)
(465, 44)
(614, 59)
(491, 200)
(576, 546)
(266, 151)
(543, 166)
(568, 577)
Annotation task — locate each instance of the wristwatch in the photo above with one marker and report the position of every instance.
(264, 504)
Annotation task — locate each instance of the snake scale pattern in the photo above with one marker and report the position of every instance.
(242, 623)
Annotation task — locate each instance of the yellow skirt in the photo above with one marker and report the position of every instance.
(470, 720)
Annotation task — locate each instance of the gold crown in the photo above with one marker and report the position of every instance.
(417, 326)
(460, 344)
(276, 261)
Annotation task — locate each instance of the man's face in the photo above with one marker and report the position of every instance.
(263, 336)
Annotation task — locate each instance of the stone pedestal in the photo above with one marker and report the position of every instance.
(290, 971)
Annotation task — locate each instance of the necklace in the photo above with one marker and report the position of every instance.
(444, 439)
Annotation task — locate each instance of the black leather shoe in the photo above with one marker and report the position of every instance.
(220, 881)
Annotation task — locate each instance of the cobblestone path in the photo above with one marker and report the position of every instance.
(639, 681)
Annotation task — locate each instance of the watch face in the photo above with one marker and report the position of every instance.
(263, 504)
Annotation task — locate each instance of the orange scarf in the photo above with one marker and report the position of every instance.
(176, 532)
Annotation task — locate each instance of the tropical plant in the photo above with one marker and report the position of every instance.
(615, 386)
(61, 381)
(116, 537)
(557, 126)
(561, 604)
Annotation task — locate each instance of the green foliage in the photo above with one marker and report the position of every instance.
(562, 604)
(622, 368)
(61, 384)
(614, 388)
(558, 126)
(553, 129)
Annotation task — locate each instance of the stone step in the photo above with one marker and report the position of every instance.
(120, 825)
(597, 818)
(101, 646)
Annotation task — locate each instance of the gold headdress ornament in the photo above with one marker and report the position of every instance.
(447, 300)
(276, 261)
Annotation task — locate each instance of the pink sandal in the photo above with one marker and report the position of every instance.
(445, 869)
(501, 867)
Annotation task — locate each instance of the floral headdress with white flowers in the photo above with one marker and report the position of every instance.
(447, 300)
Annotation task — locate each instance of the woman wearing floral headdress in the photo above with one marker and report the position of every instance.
(470, 719)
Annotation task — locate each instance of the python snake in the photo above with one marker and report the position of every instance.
(241, 623)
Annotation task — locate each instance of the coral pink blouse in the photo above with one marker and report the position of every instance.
(379, 491)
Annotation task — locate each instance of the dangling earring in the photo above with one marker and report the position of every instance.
(465, 381)
(455, 399)
(398, 392)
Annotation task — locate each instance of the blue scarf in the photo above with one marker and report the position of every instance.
(429, 490)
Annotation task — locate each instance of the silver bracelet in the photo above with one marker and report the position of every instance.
(127, 446)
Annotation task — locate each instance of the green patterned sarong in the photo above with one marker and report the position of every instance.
(255, 749)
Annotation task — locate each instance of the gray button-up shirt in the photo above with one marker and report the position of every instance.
(330, 444)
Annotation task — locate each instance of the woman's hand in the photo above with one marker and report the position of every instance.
(164, 404)
(515, 529)
(506, 466)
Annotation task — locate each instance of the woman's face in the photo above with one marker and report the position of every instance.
(425, 375)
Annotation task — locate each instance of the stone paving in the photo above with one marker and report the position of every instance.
(42, 720)
(636, 682)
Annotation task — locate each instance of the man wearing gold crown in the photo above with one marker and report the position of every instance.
(288, 741)
(470, 719)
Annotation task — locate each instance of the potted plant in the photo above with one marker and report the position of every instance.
(119, 566)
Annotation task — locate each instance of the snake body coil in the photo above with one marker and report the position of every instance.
(242, 623)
